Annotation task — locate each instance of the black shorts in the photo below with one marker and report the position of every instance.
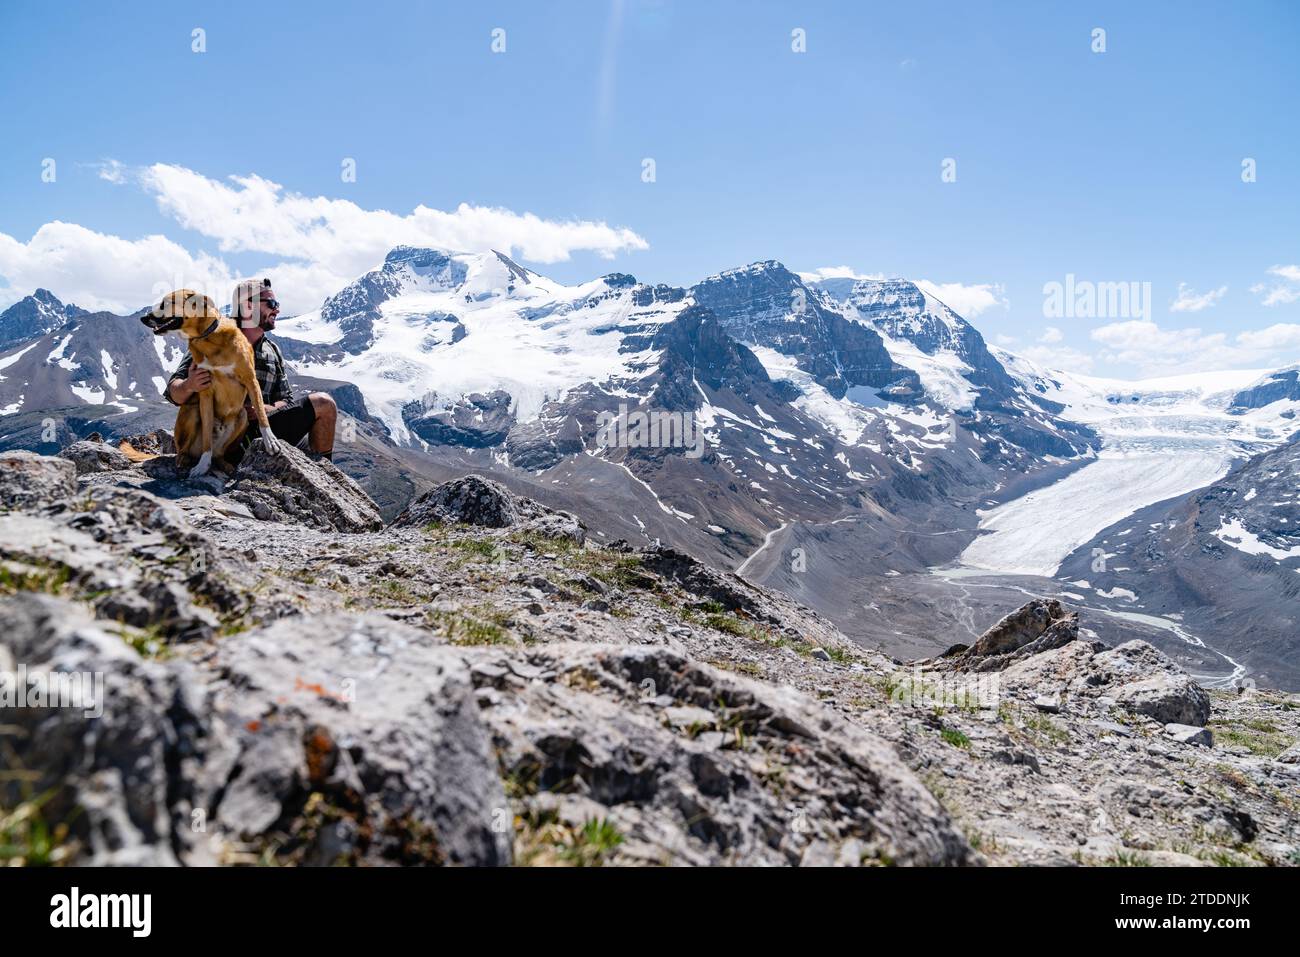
(290, 424)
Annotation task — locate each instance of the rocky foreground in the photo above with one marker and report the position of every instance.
(289, 681)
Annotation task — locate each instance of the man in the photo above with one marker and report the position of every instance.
(254, 307)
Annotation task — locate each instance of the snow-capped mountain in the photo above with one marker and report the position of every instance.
(33, 316)
(472, 351)
(428, 330)
(861, 425)
(93, 359)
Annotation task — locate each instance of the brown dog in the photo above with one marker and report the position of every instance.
(206, 429)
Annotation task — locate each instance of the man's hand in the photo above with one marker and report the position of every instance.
(196, 382)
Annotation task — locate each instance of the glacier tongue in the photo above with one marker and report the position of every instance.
(1161, 438)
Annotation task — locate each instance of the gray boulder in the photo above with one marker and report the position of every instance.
(90, 457)
(290, 487)
(29, 480)
(376, 718)
(124, 781)
(474, 500)
(1145, 681)
(1167, 698)
(1190, 734)
(342, 738)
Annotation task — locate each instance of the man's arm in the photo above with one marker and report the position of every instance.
(186, 382)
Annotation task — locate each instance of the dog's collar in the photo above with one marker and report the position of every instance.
(210, 330)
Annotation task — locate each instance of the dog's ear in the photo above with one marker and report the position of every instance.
(199, 306)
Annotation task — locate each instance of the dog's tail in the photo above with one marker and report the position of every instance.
(132, 453)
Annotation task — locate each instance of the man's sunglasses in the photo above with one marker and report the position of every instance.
(272, 303)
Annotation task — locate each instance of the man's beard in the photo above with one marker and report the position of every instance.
(267, 325)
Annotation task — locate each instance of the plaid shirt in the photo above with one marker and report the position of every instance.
(268, 364)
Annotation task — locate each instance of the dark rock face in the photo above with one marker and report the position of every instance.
(289, 487)
(695, 346)
(1002, 411)
(1280, 385)
(33, 316)
(539, 444)
(28, 480)
(475, 421)
(767, 305)
(474, 500)
(903, 311)
(346, 396)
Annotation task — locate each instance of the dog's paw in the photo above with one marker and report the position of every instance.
(204, 463)
(271, 444)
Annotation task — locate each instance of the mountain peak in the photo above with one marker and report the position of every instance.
(416, 255)
(33, 316)
(760, 268)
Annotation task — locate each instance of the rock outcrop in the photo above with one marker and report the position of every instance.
(1035, 627)
(287, 486)
(477, 684)
(28, 480)
(292, 742)
(474, 500)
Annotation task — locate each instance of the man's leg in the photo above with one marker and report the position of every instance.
(321, 437)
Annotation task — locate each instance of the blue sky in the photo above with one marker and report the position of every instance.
(1122, 166)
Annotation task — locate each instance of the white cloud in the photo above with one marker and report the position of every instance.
(1003, 339)
(99, 271)
(343, 240)
(1280, 293)
(837, 272)
(1154, 351)
(1191, 301)
(966, 301)
(321, 244)
(111, 171)
(1283, 335)
(1065, 358)
(1051, 334)
(1142, 343)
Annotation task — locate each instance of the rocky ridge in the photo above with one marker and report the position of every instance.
(289, 681)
